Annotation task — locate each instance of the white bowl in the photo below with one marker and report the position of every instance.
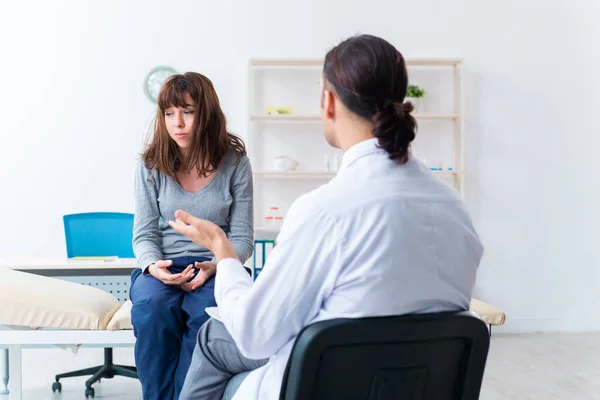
(284, 163)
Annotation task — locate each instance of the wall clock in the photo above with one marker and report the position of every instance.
(154, 80)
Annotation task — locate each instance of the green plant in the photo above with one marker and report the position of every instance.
(415, 91)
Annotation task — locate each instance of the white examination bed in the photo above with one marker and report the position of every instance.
(38, 311)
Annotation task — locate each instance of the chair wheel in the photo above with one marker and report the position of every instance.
(90, 392)
(56, 387)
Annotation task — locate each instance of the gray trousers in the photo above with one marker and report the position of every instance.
(216, 359)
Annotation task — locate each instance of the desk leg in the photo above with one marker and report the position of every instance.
(15, 372)
(5, 374)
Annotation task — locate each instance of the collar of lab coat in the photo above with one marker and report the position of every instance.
(359, 150)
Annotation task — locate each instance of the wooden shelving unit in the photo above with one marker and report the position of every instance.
(309, 178)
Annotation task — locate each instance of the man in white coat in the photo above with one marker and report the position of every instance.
(384, 237)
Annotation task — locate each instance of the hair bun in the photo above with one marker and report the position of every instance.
(398, 108)
(395, 128)
(407, 107)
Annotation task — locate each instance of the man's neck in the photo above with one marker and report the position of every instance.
(354, 131)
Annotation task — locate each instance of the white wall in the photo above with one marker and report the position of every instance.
(73, 115)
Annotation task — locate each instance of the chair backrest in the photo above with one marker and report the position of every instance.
(99, 234)
(437, 356)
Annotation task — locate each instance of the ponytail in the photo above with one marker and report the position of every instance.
(395, 129)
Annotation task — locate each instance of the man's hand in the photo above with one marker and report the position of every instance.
(204, 233)
(206, 270)
(159, 271)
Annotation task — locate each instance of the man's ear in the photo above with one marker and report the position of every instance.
(328, 104)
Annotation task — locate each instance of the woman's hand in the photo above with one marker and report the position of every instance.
(206, 270)
(159, 271)
(204, 233)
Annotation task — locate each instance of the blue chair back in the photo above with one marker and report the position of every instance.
(99, 234)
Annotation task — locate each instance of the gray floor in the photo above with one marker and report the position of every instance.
(40, 366)
(550, 366)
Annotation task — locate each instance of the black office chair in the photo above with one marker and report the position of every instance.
(416, 357)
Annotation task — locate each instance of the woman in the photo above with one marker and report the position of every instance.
(192, 162)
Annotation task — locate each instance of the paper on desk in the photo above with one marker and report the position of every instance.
(213, 312)
(96, 258)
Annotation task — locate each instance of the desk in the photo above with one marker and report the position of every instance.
(70, 267)
(110, 276)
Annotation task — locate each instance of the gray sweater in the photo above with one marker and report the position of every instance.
(227, 200)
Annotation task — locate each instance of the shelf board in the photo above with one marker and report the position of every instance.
(296, 174)
(266, 230)
(285, 118)
(328, 175)
(434, 62)
(445, 173)
(451, 117)
(318, 62)
(283, 62)
(317, 118)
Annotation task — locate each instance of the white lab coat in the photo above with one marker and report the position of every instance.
(378, 239)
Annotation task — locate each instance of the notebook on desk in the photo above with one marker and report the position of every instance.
(96, 258)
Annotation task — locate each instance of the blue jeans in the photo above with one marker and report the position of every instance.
(166, 320)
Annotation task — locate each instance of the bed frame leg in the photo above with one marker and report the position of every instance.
(5, 375)
(15, 371)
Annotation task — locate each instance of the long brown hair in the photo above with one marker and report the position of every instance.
(210, 139)
(369, 75)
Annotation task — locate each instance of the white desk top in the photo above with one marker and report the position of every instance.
(25, 264)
